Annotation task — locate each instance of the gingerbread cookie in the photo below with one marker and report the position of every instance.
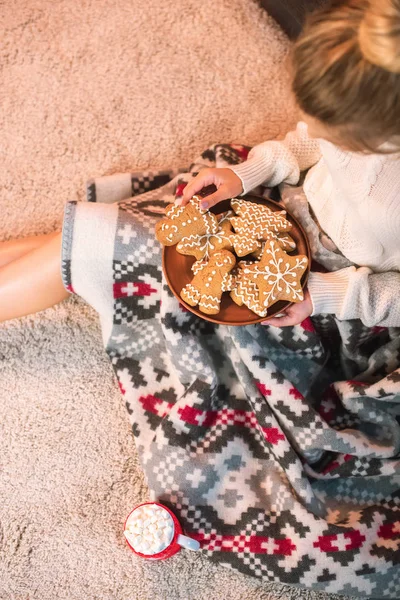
(258, 221)
(211, 280)
(246, 291)
(202, 246)
(198, 265)
(184, 221)
(241, 244)
(244, 244)
(224, 219)
(285, 241)
(277, 275)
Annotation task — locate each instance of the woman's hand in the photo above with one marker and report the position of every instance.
(294, 315)
(228, 185)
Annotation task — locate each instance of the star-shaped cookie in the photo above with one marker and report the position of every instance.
(277, 275)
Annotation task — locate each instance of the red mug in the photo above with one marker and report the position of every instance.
(176, 539)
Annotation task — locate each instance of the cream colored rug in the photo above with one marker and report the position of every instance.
(87, 88)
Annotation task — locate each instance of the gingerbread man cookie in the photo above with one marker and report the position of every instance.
(277, 275)
(209, 283)
(184, 221)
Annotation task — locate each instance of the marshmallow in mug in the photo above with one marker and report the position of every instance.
(150, 529)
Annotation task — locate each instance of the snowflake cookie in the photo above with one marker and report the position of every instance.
(202, 246)
(276, 275)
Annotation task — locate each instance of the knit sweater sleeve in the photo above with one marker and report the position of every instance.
(272, 163)
(353, 293)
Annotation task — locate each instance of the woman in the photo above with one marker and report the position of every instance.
(278, 447)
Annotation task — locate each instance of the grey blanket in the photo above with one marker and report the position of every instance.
(278, 449)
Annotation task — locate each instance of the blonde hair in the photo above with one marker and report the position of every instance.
(347, 71)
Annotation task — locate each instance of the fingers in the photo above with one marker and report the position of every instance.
(213, 199)
(285, 321)
(294, 316)
(208, 201)
(201, 180)
(275, 320)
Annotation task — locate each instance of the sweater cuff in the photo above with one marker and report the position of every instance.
(251, 172)
(328, 291)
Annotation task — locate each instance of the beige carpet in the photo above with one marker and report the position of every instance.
(87, 88)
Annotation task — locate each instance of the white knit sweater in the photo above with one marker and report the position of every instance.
(356, 199)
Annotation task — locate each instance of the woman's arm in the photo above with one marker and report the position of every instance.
(269, 163)
(357, 294)
(272, 163)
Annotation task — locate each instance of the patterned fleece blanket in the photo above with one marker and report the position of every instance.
(278, 449)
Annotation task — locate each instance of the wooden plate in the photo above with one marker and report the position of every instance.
(178, 273)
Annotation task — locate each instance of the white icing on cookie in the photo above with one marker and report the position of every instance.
(276, 270)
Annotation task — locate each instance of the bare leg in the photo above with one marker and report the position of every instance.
(13, 249)
(32, 282)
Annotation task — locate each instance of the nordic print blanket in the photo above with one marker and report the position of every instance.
(278, 449)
